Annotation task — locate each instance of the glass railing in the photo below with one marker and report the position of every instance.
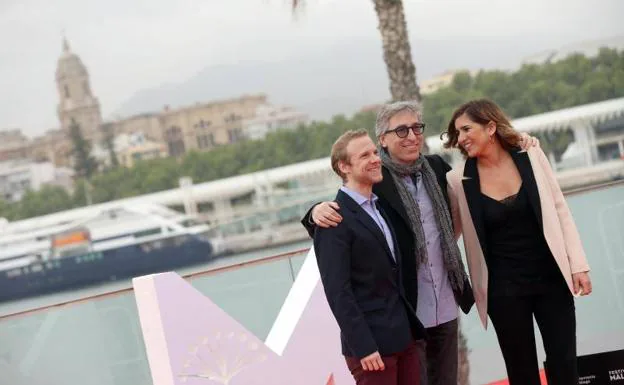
(98, 341)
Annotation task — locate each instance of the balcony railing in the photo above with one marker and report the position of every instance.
(97, 339)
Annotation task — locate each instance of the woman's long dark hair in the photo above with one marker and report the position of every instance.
(482, 111)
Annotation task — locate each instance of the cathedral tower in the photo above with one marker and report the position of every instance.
(76, 101)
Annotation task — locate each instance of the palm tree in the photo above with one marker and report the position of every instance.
(396, 48)
(463, 370)
(402, 75)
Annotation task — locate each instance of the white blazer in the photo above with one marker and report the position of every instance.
(546, 199)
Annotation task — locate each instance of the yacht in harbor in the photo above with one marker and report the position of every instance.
(103, 244)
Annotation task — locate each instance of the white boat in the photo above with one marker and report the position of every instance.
(112, 242)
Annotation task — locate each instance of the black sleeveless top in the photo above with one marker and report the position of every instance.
(518, 259)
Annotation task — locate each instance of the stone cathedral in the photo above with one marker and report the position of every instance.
(76, 100)
(201, 126)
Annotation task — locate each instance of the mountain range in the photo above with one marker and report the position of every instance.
(343, 78)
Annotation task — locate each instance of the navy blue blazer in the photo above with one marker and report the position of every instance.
(362, 282)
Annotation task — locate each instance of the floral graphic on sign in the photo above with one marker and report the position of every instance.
(221, 357)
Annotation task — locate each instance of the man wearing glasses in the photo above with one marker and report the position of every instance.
(413, 194)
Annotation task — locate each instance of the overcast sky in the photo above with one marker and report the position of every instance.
(129, 45)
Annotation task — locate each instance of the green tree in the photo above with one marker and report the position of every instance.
(462, 82)
(534, 88)
(48, 199)
(109, 144)
(82, 195)
(9, 210)
(84, 164)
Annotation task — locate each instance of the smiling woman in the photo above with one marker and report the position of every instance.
(478, 122)
(523, 250)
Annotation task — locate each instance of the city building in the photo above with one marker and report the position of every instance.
(201, 126)
(205, 125)
(374, 108)
(442, 80)
(14, 145)
(197, 127)
(130, 148)
(141, 151)
(53, 146)
(18, 177)
(148, 123)
(269, 119)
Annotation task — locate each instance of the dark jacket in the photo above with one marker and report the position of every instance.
(362, 283)
(391, 203)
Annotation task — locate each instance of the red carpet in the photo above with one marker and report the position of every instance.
(505, 382)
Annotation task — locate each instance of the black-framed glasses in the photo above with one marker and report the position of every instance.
(403, 130)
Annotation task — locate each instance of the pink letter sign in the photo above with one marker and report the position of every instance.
(190, 340)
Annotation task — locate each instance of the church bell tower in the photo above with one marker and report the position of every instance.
(76, 101)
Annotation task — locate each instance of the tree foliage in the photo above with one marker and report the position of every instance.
(47, 200)
(108, 142)
(85, 164)
(530, 90)
(534, 88)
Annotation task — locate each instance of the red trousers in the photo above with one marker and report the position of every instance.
(402, 368)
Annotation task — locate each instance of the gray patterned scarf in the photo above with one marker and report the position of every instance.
(450, 251)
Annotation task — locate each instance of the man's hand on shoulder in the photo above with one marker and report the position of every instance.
(326, 215)
(373, 362)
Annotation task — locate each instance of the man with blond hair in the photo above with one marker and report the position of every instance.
(360, 268)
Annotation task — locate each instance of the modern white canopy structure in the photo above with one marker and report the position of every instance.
(594, 114)
(598, 129)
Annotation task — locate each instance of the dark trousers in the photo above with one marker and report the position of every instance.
(401, 369)
(439, 355)
(554, 312)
